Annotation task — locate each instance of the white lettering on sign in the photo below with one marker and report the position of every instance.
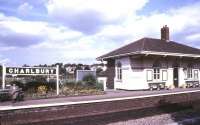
(29, 70)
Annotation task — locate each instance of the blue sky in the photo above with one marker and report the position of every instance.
(77, 31)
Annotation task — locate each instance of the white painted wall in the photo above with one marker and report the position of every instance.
(102, 80)
(136, 79)
(181, 77)
(170, 79)
(131, 79)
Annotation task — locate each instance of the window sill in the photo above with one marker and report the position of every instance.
(118, 81)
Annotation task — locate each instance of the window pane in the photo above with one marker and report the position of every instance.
(196, 74)
(156, 73)
(154, 76)
(158, 76)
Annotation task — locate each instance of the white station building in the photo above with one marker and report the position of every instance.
(149, 60)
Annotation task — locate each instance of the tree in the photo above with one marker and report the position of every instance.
(87, 67)
(25, 65)
(98, 70)
(89, 80)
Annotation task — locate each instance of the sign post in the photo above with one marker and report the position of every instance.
(3, 76)
(57, 79)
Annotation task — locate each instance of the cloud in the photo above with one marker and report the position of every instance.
(24, 9)
(15, 32)
(193, 37)
(12, 38)
(180, 20)
(82, 31)
(89, 16)
(88, 22)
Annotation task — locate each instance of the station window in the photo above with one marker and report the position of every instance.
(189, 71)
(156, 73)
(119, 71)
(196, 75)
(156, 70)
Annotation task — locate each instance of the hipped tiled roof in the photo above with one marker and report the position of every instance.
(151, 44)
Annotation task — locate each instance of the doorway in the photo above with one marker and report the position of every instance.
(175, 77)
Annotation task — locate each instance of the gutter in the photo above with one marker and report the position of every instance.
(151, 53)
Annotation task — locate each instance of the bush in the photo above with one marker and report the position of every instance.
(4, 97)
(51, 85)
(33, 85)
(89, 80)
(99, 86)
(42, 89)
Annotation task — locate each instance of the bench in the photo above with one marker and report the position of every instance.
(6, 94)
(192, 84)
(157, 85)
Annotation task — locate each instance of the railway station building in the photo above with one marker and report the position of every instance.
(148, 60)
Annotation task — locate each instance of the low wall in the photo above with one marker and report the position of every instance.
(52, 114)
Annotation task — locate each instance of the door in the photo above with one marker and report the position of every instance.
(175, 72)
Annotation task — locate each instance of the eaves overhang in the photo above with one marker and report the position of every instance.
(149, 53)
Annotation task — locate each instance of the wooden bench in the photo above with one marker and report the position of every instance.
(6, 94)
(157, 85)
(192, 84)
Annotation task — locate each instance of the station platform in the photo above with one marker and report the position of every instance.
(62, 111)
(110, 95)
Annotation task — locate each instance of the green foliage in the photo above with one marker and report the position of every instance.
(89, 80)
(33, 85)
(4, 97)
(99, 86)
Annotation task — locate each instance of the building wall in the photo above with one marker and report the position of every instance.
(131, 78)
(135, 70)
(82, 73)
(110, 74)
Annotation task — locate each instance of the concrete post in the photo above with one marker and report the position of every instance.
(57, 79)
(181, 78)
(170, 80)
(3, 76)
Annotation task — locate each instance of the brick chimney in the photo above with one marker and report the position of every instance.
(165, 33)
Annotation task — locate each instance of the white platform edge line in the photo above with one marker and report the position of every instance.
(4, 108)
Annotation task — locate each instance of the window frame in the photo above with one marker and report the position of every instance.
(196, 73)
(156, 73)
(189, 73)
(163, 75)
(119, 71)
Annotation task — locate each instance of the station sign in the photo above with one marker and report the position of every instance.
(30, 71)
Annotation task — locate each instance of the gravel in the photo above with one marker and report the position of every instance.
(183, 117)
(187, 117)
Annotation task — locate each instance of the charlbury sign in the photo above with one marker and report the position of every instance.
(29, 71)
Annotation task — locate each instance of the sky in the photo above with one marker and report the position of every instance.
(37, 32)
